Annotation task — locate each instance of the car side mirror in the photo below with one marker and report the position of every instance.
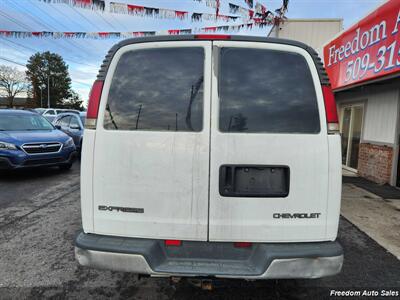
(75, 127)
(58, 127)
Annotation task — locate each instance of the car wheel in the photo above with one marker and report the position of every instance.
(65, 167)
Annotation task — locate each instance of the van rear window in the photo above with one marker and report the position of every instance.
(266, 91)
(157, 89)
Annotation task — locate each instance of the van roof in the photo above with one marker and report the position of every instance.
(163, 38)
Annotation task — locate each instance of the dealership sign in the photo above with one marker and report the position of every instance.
(368, 50)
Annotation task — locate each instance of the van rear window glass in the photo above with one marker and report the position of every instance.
(157, 89)
(266, 91)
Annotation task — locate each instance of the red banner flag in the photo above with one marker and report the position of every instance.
(173, 31)
(135, 8)
(181, 14)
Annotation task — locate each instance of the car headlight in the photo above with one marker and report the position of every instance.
(7, 146)
(69, 143)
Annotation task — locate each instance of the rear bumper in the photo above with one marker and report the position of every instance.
(261, 261)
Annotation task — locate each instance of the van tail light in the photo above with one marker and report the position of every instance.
(173, 243)
(212, 36)
(242, 244)
(330, 109)
(93, 106)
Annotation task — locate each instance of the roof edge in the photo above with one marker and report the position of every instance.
(191, 37)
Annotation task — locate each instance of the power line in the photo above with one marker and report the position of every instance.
(25, 66)
(89, 44)
(21, 64)
(14, 20)
(83, 83)
(86, 19)
(12, 61)
(44, 24)
(35, 50)
(57, 10)
(57, 21)
(117, 21)
(11, 19)
(105, 20)
(68, 50)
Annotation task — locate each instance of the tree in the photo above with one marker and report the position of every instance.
(73, 101)
(12, 83)
(48, 72)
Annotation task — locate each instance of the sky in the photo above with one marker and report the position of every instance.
(84, 56)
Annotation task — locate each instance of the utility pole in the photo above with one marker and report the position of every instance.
(41, 96)
(48, 91)
(41, 87)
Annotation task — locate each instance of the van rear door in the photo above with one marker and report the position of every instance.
(151, 158)
(269, 148)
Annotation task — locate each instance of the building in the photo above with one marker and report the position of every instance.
(313, 32)
(363, 64)
(19, 102)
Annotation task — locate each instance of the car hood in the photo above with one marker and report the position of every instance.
(35, 136)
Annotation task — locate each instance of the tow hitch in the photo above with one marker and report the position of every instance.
(204, 284)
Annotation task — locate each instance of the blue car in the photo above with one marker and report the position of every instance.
(28, 140)
(72, 124)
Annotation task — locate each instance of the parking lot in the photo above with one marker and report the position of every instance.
(40, 215)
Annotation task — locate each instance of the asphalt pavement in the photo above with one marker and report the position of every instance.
(40, 215)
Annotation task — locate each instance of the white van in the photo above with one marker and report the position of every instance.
(214, 156)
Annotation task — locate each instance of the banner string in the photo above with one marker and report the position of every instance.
(145, 11)
(113, 34)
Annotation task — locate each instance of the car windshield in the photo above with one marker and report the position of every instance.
(40, 110)
(21, 122)
(83, 119)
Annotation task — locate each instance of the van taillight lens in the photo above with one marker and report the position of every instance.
(212, 36)
(93, 106)
(173, 242)
(330, 109)
(242, 244)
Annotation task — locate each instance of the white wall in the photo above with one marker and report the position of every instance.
(313, 32)
(380, 112)
(381, 116)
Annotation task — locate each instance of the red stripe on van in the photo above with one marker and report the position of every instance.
(212, 36)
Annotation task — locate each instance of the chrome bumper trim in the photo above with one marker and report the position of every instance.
(302, 267)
